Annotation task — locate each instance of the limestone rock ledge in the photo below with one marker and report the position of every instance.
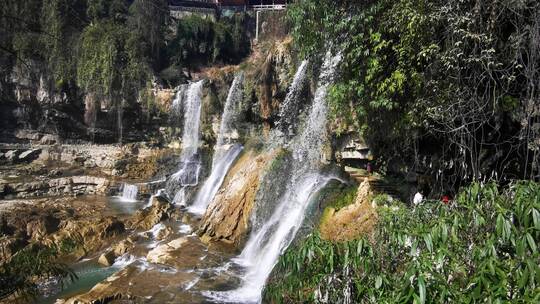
(227, 217)
(75, 185)
(351, 221)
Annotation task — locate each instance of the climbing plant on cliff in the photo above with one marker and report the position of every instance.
(481, 248)
(456, 77)
(201, 41)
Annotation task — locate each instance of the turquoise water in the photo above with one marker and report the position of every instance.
(89, 273)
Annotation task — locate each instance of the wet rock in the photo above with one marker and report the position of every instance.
(107, 258)
(122, 247)
(50, 140)
(12, 155)
(163, 254)
(28, 134)
(131, 285)
(160, 210)
(183, 253)
(29, 155)
(227, 217)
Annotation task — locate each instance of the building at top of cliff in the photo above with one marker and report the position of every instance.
(211, 3)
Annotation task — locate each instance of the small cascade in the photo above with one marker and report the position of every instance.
(267, 243)
(230, 111)
(214, 181)
(225, 151)
(187, 100)
(129, 192)
(290, 107)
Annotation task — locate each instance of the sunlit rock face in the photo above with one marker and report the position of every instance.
(227, 217)
(353, 221)
(160, 210)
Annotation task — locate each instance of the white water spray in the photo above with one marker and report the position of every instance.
(288, 111)
(266, 244)
(129, 192)
(225, 154)
(189, 164)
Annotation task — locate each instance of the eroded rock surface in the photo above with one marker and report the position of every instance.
(351, 221)
(227, 218)
(160, 210)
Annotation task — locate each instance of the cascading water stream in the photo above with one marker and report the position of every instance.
(225, 151)
(266, 244)
(188, 173)
(129, 192)
(289, 109)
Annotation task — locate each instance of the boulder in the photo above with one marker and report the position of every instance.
(107, 258)
(50, 139)
(12, 155)
(160, 210)
(122, 247)
(163, 254)
(29, 155)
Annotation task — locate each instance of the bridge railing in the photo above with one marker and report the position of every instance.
(269, 7)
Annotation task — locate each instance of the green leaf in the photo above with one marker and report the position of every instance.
(536, 218)
(422, 289)
(429, 242)
(378, 282)
(531, 242)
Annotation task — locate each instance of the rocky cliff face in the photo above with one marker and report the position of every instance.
(227, 218)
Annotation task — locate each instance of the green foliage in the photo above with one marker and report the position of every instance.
(482, 248)
(20, 274)
(201, 41)
(449, 70)
(338, 197)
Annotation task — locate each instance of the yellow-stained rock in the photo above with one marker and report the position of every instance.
(227, 217)
(352, 221)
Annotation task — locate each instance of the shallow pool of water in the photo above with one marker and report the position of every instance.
(89, 273)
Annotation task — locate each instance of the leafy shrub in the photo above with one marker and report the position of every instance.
(19, 276)
(481, 248)
(201, 41)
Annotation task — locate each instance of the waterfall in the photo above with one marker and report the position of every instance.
(129, 192)
(267, 243)
(188, 100)
(230, 111)
(192, 120)
(225, 154)
(288, 111)
(214, 181)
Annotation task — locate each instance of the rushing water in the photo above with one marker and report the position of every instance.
(230, 111)
(214, 181)
(267, 243)
(129, 192)
(225, 152)
(189, 100)
(290, 107)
